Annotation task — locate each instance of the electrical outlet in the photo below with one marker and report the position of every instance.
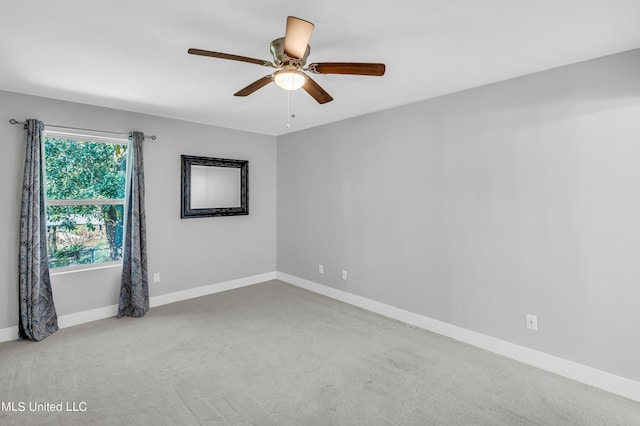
(321, 268)
(344, 275)
(532, 322)
(156, 277)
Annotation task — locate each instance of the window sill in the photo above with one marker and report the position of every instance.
(82, 268)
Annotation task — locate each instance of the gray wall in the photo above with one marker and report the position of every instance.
(187, 253)
(482, 206)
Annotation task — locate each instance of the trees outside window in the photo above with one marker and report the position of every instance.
(85, 185)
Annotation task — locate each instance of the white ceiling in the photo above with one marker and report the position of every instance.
(132, 54)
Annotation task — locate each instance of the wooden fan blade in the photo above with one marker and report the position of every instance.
(230, 57)
(358, 68)
(296, 37)
(258, 84)
(317, 92)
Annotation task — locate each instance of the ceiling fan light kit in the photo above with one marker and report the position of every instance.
(290, 56)
(289, 79)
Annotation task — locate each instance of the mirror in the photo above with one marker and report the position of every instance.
(214, 187)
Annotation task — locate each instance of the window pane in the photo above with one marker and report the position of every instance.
(93, 172)
(79, 235)
(84, 169)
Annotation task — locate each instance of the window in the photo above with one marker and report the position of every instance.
(85, 185)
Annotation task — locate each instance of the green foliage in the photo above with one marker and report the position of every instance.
(79, 254)
(67, 217)
(84, 170)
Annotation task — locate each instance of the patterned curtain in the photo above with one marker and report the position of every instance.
(38, 318)
(134, 290)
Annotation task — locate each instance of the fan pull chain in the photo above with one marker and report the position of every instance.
(290, 107)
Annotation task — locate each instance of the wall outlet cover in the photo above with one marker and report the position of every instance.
(532, 322)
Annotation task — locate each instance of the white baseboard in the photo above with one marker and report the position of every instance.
(192, 293)
(82, 317)
(8, 334)
(572, 370)
(11, 333)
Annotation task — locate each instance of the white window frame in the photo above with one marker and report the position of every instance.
(52, 132)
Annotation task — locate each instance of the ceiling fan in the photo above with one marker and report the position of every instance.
(290, 56)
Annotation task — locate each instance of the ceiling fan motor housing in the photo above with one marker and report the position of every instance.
(280, 58)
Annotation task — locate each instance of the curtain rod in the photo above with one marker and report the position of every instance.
(14, 121)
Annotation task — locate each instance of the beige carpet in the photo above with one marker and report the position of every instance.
(273, 354)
